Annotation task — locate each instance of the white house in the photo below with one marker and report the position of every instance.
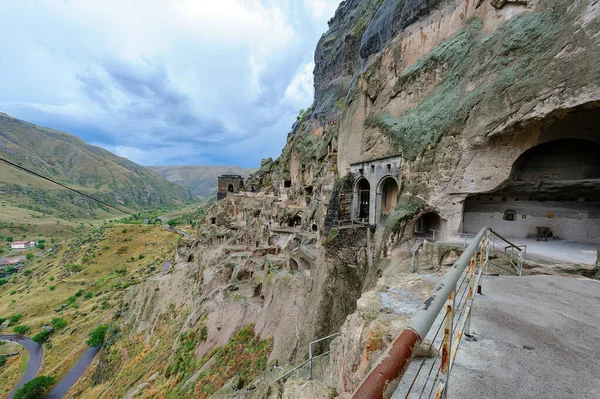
(23, 244)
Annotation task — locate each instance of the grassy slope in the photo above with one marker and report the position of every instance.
(70, 160)
(12, 371)
(25, 224)
(200, 180)
(109, 250)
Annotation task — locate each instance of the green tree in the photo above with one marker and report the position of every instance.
(2, 360)
(42, 336)
(36, 388)
(29, 256)
(96, 337)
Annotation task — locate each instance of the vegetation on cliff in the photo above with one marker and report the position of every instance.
(511, 58)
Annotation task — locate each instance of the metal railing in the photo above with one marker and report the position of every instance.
(362, 222)
(449, 308)
(310, 359)
(412, 268)
(514, 254)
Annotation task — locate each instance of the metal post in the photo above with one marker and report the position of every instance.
(471, 289)
(443, 378)
(310, 362)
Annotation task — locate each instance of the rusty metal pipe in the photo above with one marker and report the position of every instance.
(382, 380)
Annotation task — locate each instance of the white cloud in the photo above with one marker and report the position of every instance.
(172, 81)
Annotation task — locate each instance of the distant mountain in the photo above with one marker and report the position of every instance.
(199, 180)
(72, 161)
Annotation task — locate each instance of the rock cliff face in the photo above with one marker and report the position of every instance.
(459, 92)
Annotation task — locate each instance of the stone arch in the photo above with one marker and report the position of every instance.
(362, 199)
(388, 191)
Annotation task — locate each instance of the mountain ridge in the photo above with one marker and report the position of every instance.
(72, 161)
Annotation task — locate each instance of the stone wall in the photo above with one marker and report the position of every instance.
(229, 184)
(375, 172)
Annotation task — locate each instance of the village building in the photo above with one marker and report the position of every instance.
(229, 184)
(23, 244)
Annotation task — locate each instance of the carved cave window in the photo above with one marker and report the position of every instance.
(510, 214)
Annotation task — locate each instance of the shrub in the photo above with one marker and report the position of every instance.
(58, 323)
(51, 278)
(79, 293)
(3, 281)
(72, 268)
(29, 256)
(22, 329)
(52, 287)
(36, 388)
(42, 336)
(27, 272)
(16, 318)
(96, 337)
(9, 239)
(88, 295)
(2, 360)
(41, 245)
(142, 256)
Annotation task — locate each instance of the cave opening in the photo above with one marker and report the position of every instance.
(295, 221)
(561, 181)
(426, 223)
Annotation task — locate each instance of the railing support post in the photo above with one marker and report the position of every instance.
(310, 362)
(471, 289)
(443, 378)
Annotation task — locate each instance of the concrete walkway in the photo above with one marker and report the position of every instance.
(558, 251)
(537, 337)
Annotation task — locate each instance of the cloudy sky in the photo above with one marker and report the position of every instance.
(163, 82)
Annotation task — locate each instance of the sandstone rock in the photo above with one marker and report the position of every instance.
(302, 389)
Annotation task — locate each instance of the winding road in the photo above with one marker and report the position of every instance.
(36, 355)
(71, 378)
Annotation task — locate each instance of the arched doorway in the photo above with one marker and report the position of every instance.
(364, 199)
(388, 190)
(230, 188)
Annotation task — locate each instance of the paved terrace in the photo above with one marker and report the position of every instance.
(537, 337)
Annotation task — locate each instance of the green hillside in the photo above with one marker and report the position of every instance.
(199, 180)
(70, 160)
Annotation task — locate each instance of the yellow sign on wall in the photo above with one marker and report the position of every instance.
(550, 215)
